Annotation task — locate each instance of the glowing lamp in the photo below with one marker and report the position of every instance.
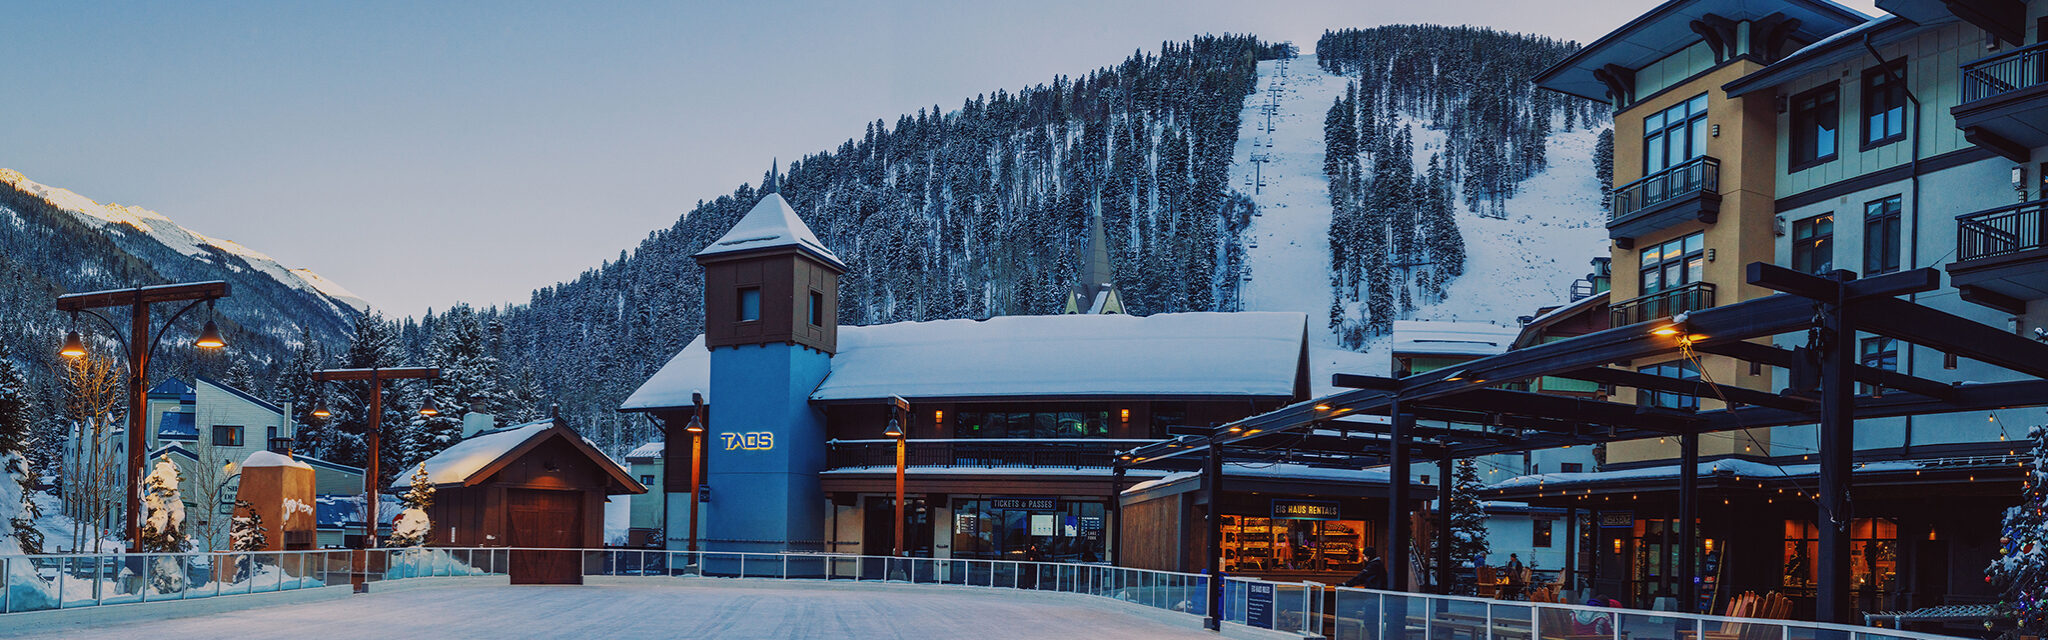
(895, 429)
(1667, 330)
(320, 410)
(429, 409)
(695, 425)
(209, 337)
(74, 346)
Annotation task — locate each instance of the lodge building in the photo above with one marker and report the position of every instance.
(1803, 134)
(1012, 423)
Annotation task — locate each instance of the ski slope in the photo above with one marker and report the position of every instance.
(1515, 265)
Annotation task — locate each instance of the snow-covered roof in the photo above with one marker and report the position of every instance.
(1452, 338)
(272, 459)
(1187, 354)
(1731, 467)
(457, 463)
(771, 223)
(650, 450)
(1194, 354)
(689, 371)
(176, 425)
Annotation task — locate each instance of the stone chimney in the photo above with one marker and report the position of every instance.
(476, 422)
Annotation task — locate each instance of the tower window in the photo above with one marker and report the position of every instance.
(750, 304)
(817, 309)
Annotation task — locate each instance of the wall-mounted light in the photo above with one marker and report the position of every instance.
(938, 416)
(1717, 131)
(1125, 414)
(1617, 545)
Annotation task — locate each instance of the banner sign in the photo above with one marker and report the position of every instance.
(1306, 509)
(1617, 519)
(1025, 504)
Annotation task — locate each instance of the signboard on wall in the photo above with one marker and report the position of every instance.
(1617, 519)
(1258, 605)
(1025, 503)
(1042, 524)
(1306, 509)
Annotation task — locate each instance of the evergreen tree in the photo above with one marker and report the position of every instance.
(163, 525)
(247, 533)
(2021, 571)
(16, 433)
(1603, 166)
(1467, 515)
(411, 527)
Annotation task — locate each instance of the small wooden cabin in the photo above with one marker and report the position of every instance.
(538, 484)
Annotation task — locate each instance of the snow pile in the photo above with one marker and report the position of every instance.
(412, 524)
(421, 562)
(25, 590)
(272, 459)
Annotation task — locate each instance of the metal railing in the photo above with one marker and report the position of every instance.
(1340, 613)
(70, 581)
(1362, 614)
(2005, 73)
(1089, 453)
(1663, 304)
(1701, 174)
(1997, 232)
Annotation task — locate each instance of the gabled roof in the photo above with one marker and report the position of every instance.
(244, 395)
(1168, 354)
(771, 224)
(476, 458)
(650, 451)
(1530, 332)
(1668, 28)
(170, 389)
(1432, 337)
(177, 425)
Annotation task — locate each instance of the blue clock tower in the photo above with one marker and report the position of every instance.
(771, 309)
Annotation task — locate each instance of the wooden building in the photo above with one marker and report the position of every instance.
(1281, 521)
(533, 485)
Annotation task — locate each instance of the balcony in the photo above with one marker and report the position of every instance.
(1663, 304)
(1688, 191)
(1014, 453)
(2002, 256)
(2004, 102)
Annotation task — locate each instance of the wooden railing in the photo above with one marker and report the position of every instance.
(2001, 231)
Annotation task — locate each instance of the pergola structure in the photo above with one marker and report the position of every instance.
(1478, 417)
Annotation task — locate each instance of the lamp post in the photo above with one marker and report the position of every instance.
(696, 431)
(897, 420)
(376, 377)
(140, 347)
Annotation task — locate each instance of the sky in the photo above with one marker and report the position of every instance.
(424, 153)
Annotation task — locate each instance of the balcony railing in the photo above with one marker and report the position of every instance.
(2005, 73)
(2001, 231)
(1092, 453)
(1664, 304)
(1701, 174)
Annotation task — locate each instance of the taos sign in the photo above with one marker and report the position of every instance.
(749, 441)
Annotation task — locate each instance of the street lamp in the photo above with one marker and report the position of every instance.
(140, 347)
(376, 377)
(895, 430)
(696, 430)
(429, 409)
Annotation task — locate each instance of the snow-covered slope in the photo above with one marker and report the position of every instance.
(185, 241)
(1528, 260)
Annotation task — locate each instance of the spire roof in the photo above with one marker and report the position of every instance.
(772, 223)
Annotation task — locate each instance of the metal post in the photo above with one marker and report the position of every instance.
(1571, 548)
(900, 445)
(1113, 537)
(1688, 519)
(1398, 534)
(1212, 489)
(1443, 529)
(138, 414)
(696, 478)
(1837, 449)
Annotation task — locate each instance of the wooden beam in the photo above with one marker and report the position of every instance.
(1948, 332)
(1995, 300)
(394, 373)
(1784, 359)
(1695, 388)
(145, 295)
(1995, 143)
(1355, 381)
(1566, 408)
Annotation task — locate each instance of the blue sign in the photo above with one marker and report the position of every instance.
(1258, 605)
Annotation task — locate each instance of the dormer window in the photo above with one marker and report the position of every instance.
(750, 304)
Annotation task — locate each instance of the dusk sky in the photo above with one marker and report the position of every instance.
(421, 155)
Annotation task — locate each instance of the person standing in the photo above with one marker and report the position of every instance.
(1518, 577)
(1373, 575)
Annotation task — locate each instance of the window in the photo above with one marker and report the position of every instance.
(1815, 116)
(1572, 467)
(750, 304)
(817, 309)
(227, 436)
(1541, 539)
(1884, 105)
(1681, 369)
(1674, 264)
(1877, 353)
(1036, 424)
(1881, 236)
(1675, 135)
(647, 479)
(1813, 244)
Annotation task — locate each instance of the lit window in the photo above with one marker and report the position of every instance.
(227, 436)
(1813, 244)
(1541, 530)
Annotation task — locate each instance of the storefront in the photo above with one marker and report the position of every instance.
(1009, 527)
(1279, 520)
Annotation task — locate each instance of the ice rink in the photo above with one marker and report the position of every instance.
(685, 609)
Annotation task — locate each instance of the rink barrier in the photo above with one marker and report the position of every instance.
(69, 581)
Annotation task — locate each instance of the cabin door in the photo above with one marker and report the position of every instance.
(545, 520)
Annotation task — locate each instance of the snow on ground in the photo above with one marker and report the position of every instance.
(1554, 226)
(678, 609)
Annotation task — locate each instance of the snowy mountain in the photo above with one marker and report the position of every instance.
(54, 241)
